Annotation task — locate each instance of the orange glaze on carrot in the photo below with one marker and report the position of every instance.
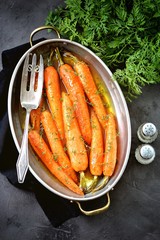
(43, 152)
(56, 144)
(91, 90)
(75, 89)
(110, 155)
(53, 92)
(97, 147)
(74, 141)
(35, 116)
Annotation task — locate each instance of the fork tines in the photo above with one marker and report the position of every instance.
(32, 79)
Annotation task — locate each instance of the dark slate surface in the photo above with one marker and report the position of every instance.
(29, 211)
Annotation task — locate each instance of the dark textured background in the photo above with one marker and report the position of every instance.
(29, 211)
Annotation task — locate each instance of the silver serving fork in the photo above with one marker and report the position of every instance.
(29, 99)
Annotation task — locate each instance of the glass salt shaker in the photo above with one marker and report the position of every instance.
(147, 132)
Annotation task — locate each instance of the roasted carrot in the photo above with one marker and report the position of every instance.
(77, 95)
(35, 116)
(97, 147)
(56, 145)
(110, 155)
(43, 152)
(90, 88)
(52, 87)
(74, 141)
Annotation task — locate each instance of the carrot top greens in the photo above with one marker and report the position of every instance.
(125, 34)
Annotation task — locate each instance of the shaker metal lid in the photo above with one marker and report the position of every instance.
(147, 132)
(145, 154)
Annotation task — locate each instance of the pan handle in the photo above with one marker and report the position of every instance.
(40, 29)
(95, 211)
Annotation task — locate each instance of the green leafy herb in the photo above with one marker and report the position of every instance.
(125, 34)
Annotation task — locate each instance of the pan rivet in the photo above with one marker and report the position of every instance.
(145, 154)
(147, 132)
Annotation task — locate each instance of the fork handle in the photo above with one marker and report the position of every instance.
(22, 161)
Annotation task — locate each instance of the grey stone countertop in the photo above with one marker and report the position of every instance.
(31, 212)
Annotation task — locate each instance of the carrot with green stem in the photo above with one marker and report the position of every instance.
(90, 88)
(74, 141)
(77, 95)
(53, 92)
(55, 144)
(46, 156)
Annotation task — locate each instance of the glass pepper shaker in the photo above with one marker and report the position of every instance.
(145, 154)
